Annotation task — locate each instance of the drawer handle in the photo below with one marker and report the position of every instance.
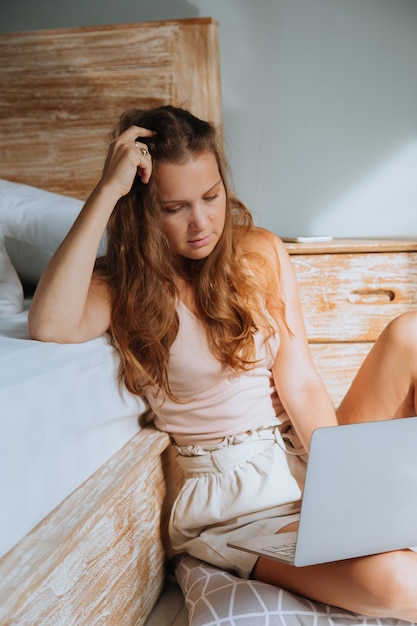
(372, 296)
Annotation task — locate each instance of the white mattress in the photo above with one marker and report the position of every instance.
(62, 416)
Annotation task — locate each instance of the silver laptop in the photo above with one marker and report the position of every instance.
(360, 496)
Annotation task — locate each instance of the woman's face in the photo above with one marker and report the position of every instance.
(193, 205)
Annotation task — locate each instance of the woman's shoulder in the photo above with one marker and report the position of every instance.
(263, 242)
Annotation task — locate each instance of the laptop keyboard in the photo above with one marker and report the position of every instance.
(287, 550)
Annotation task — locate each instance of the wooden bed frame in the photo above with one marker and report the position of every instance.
(100, 557)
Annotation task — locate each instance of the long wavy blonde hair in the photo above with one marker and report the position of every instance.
(139, 265)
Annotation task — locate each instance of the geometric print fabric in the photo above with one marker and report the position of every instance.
(217, 598)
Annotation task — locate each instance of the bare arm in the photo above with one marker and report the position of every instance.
(71, 304)
(298, 384)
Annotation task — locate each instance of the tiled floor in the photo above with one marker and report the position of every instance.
(170, 610)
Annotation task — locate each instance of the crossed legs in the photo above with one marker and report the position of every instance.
(382, 585)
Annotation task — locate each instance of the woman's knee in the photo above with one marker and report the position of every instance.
(397, 584)
(383, 585)
(397, 346)
(401, 332)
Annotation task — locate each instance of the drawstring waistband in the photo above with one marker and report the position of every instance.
(235, 448)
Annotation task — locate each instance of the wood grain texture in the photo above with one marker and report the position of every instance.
(99, 557)
(64, 90)
(354, 245)
(352, 297)
(337, 364)
(350, 289)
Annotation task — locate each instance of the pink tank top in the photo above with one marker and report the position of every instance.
(217, 402)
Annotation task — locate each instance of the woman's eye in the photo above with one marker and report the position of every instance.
(173, 210)
(211, 198)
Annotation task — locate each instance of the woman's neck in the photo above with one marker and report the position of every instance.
(186, 292)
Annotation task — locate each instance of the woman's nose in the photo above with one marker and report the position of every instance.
(198, 219)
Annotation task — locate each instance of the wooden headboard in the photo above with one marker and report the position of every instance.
(63, 90)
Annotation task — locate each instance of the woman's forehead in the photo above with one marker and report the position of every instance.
(198, 173)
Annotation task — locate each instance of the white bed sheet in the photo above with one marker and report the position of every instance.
(62, 415)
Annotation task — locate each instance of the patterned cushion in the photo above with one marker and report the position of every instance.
(216, 598)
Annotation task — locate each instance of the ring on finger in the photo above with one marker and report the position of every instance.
(142, 149)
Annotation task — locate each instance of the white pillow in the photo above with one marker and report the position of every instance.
(11, 290)
(34, 222)
(217, 598)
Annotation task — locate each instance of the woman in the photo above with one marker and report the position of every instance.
(204, 311)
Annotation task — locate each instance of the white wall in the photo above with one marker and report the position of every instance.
(319, 98)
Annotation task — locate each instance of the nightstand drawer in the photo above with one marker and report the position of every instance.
(337, 364)
(351, 297)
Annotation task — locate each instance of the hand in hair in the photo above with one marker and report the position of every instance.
(127, 157)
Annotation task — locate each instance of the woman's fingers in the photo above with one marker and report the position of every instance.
(128, 156)
(145, 163)
(133, 134)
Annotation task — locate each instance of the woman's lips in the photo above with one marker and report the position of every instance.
(200, 243)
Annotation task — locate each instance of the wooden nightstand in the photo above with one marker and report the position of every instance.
(350, 289)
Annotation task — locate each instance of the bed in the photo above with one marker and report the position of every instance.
(84, 499)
